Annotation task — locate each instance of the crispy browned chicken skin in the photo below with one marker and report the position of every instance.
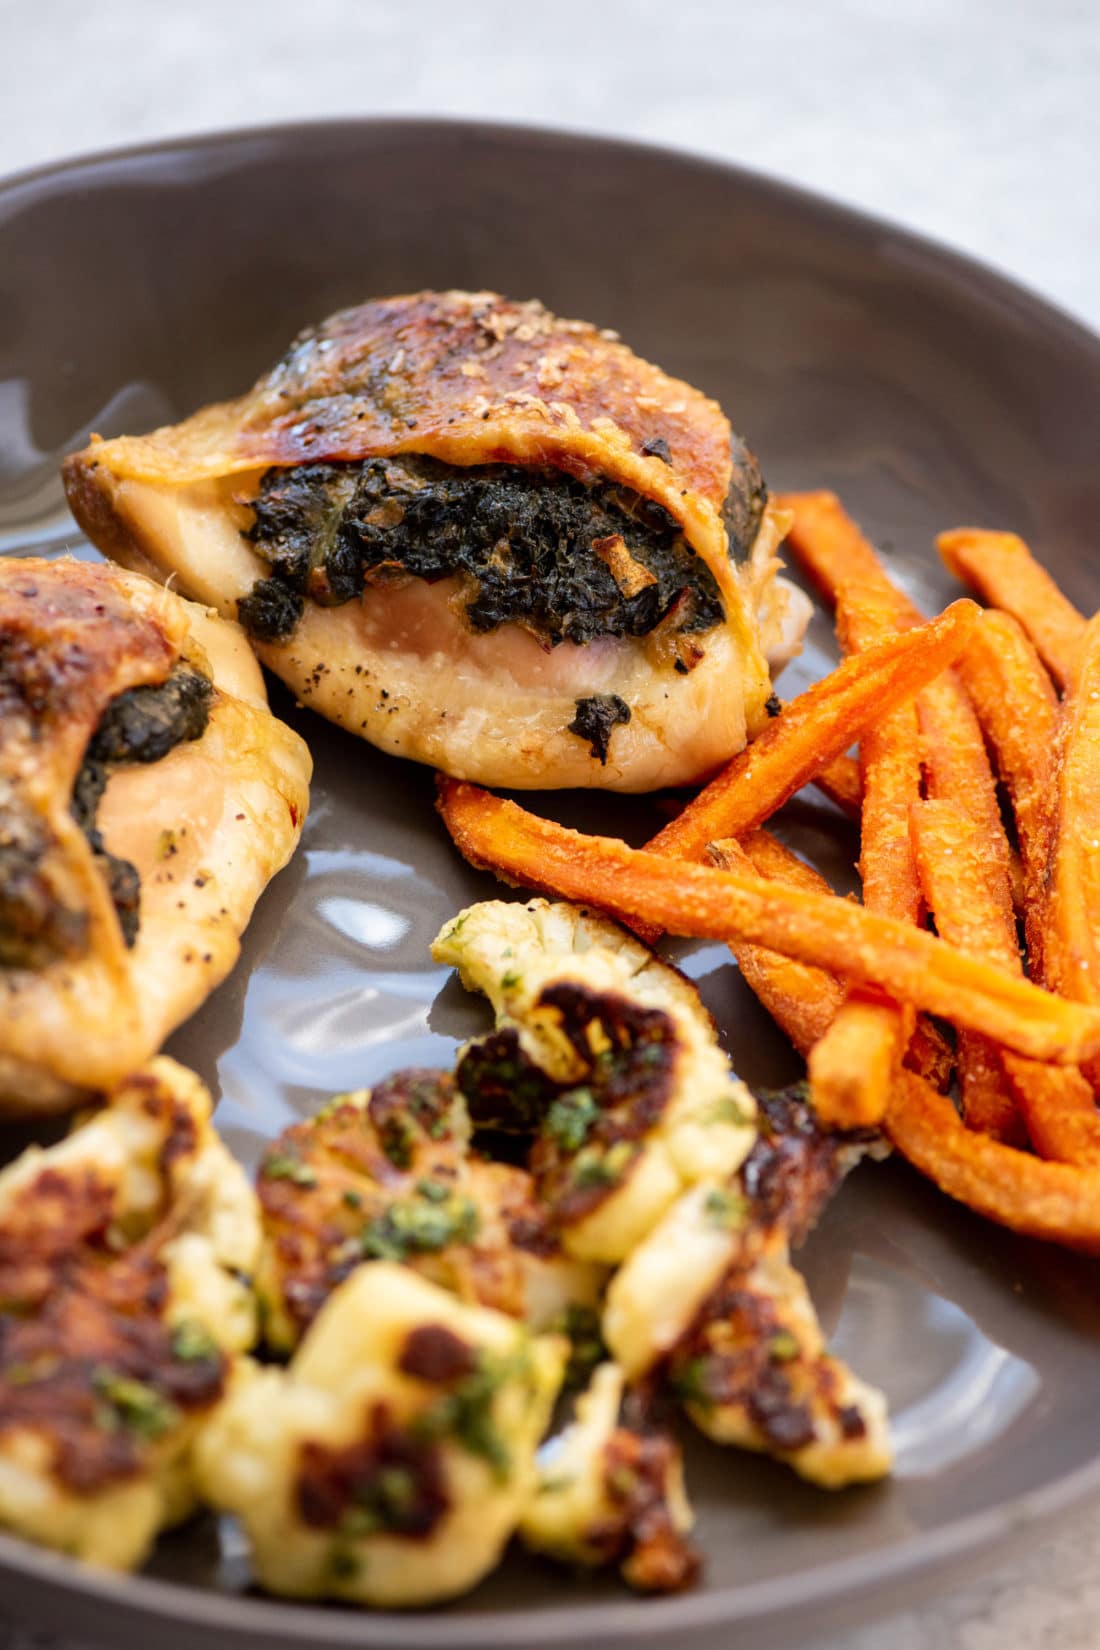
(147, 795)
(477, 535)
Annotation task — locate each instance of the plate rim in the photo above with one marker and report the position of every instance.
(869, 1576)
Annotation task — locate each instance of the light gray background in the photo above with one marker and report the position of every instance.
(976, 121)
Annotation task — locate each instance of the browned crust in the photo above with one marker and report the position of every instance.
(78, 1316)
(397, 374)
(70, 641)
(467, 378)
(386, 1480)
(323, 1184)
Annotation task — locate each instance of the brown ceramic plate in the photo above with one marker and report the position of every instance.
(927, 391)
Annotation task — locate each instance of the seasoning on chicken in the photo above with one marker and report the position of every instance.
(476, 535)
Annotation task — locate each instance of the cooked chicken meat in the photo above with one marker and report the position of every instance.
(608, 1056)
(712, 1291)
(392, 1460)
(609, 1493)
(478, 536)
(388, 1174)
(122, 1255)
(147, 796)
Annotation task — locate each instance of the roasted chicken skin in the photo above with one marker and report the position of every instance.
(478, 536)
(147, 796)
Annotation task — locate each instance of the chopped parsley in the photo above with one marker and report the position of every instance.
(570, 1118)
(286, 1166)
(582, 1325)
(784, 1346)
(419, 1226)
(193, 1342)
(465, 1413)
(729, 1109)
(132, 1404)
(725, 1208)
(690, 1382)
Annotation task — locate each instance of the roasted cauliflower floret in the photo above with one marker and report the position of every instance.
(611, 1493)
(609, 1055)
(391, 1461)
(713, 1292)
(388, 1174)
(124, 1255)
(755, 1372)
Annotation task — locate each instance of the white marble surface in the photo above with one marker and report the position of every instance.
(977, 121)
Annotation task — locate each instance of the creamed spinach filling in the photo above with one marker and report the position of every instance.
(568, 560)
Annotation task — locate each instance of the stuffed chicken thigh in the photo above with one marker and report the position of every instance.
(478, 536)
(147, 796)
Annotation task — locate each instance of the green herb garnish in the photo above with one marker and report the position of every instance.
(285, 1166)
(193, 1342)
(784, 1346)
(570, 1118)
(725, 1208)
(133, 1404)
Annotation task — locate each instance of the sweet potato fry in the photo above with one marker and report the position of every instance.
(1058, 1108)
(820, 929)
(811, 731)
(1055, 1104)
(802, 1000)
(840, 781)
(852, 1067)
(957, 770)
(1071, 933)
(1059, 1202)
(1002, 570)
(831, 548)
(1018, 711)
(832, 552)
(963, 884)
(930, 1055)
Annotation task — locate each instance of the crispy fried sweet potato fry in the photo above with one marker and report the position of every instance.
(1071, 931)
(802, 1000)
(1058, 1108)
(819, 929)
(848, 1069)
(1018, 711)
(957, 772)
(1055, 1104)
(830, 549)
(962, 878)
(1002, 570)
(852, 1067)
(812, 730)
(841, 782)
(1056, 1201)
